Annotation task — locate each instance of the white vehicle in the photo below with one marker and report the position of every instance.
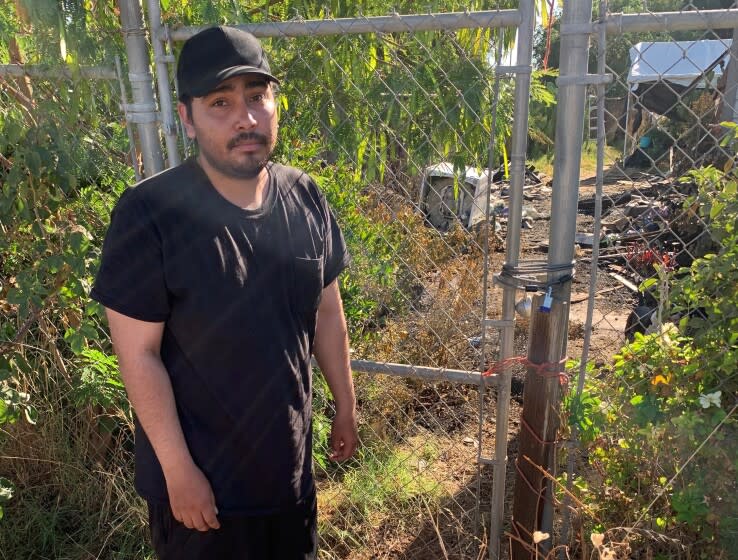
(442, 203)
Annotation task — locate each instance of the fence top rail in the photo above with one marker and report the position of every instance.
(423, 373)
(58, 72)
(618, 23)
(670, 21)
(394, 23)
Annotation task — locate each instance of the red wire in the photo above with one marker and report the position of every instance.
(546, 369)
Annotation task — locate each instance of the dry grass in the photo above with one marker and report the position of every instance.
(74, 496)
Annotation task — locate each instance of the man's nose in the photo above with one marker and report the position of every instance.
(245, 116)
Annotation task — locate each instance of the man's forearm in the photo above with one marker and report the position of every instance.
(331, 349)
(150, 392)
(331, 352)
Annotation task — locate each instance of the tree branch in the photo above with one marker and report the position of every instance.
(7, 345)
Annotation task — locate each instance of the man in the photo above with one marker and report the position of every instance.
(219, 282)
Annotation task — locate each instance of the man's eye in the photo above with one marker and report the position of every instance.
(218, 103)
(257, 98)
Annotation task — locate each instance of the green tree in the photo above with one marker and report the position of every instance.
(395, 101)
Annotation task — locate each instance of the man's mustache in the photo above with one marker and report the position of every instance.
(248, 137)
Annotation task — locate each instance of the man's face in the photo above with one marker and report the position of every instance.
(235, 125)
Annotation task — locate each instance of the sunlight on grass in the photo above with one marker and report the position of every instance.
(544, 164)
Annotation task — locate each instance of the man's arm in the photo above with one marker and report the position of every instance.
(137, 344)
(331, 350)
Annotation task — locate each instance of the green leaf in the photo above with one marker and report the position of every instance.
(5, 415)
(647, 283)
(75, 339)
(372, 62)
(716, 209)
(16, 296)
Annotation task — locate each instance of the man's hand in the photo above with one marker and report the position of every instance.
(191, 498)
(344, 436)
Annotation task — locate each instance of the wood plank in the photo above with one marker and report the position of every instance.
(625, 282)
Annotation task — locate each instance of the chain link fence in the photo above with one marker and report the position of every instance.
(397, 125)
(652, 407)
(398, 118)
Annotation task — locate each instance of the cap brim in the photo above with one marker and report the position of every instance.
(240, 70)
(229, 73)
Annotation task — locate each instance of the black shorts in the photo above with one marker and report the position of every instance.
(284, 536)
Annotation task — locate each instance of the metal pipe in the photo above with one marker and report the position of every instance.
(162, 79)
(394, 23)
(594, 265)
(88, 72)
(481, 412)
(617, 24)
(568, 145)
(567, 160)
(512, 255)
(421, 372)
(729, 104)
(142, 86)
(628, 97)
(129, 128)
(671, 21)
(183, 132)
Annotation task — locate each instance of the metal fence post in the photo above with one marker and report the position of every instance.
(161, 59)
(532, 507)
(142, 112)
(129, 128)
(512, 252)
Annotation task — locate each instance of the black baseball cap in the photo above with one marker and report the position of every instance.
(216, 54)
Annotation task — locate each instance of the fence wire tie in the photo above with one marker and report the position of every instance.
(133, 32)
(523, 276)
(538, 438)
(544, 369)
(516, 525)
(538, 493)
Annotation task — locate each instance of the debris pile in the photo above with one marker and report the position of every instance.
(645, 230)
(447, 197)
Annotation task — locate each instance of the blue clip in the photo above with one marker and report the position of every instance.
(547, 301)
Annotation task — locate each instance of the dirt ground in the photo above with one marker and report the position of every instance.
(448, 530)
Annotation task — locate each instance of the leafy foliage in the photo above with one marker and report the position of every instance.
(62, 165)
(673, 393)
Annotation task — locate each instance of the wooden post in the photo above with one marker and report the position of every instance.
(533, 496)
(533, 505)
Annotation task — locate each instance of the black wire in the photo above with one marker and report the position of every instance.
(521, 275)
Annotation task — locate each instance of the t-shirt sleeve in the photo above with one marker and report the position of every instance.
(336, 254)
(131, 275)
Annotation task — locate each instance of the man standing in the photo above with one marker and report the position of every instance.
(219, 281)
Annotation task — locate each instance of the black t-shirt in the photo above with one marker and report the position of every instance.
(238, 291)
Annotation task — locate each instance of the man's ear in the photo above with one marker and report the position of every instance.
(186, 120)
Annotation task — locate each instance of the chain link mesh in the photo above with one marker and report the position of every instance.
(654, 473)
(395, 128)
(372, 117)
(382, 109)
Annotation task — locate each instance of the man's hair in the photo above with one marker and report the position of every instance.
(186, 100)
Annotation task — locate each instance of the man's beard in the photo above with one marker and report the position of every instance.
(248, 168)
